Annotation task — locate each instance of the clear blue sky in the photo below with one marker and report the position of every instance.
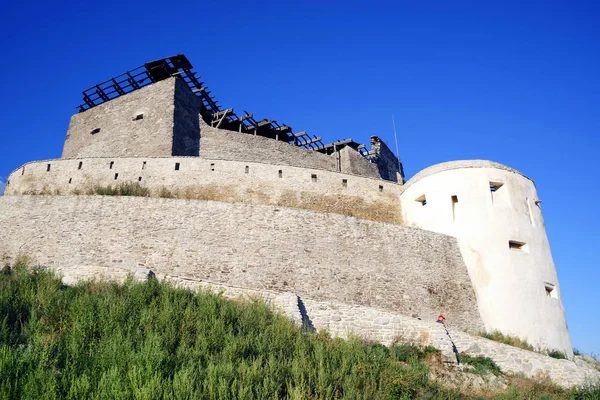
(512, 82)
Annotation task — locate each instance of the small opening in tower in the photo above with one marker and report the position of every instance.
(550, 290)
(94, 131)
(495, 186)
(517, 246)
(422, 199)
(116, 176)
(345, 182)
(23, 171)
(70, 180)
(247, 169)
(144, 165)
(212, 167)
(138, 117)
(112, 163)
(381, 188)
(281, 173)
(80, 165)
(313, 177)
(48, 168)
(454, 199)
(140, 179)
(176, 166)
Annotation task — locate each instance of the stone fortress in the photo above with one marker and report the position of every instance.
(331, 233)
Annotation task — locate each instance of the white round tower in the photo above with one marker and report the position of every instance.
(495, 214)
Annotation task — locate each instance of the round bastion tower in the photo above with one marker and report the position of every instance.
(495, 214)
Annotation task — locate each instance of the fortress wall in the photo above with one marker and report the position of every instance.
(321, 256)
(517, 287)
(120, 135)
(228, 145)
(186, 121)
(217, 180)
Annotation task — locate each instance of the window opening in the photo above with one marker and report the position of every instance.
(48, 168)
(517, 246)
(550, 290)
(80, 165)
(94, 131)
(144, 165)
(454, 199)
(381, 188)
(116, 176)
(313, 177)
(494, 186)
(111, 164)
(247, 169)
(138, 117)
(176, 166)
(422, 199)
(345, 182)
(281, 173)
(70, 180)
(23, 171)
(212, 167)
(140, 179)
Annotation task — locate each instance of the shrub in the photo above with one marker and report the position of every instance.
(122, 189)
(557, 354)
(481, 365)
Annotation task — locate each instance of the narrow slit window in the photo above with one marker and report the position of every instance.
(212, 167)
(70, 180)
(281, 173)
(550, 290)
(23, 171)
(422, 199)
(345, 182)
(138, 117)
(144, 165)
(454, 199)
(247, 169)
(116, 176)
(112, 163)
(381, 188)
(94, 131)
(48, 167)
(140, 179)
(313, 177)
(495, 186)
(80, 165)
(517, 246)
(176, 166)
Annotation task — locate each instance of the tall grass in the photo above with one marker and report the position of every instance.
(510, 340)
(152, 341)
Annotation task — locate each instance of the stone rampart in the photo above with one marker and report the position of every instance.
(322, 256)
(199, 178)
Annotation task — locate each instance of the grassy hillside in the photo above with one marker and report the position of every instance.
(151, 341)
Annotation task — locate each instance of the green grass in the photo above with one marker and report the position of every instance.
(151, 341)
(498, 336)
(557, 354)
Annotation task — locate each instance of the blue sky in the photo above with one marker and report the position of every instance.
(513, 82)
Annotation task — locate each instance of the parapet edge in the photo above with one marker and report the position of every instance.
(460, 164)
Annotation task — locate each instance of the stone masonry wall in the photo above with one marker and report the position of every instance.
(186, 121)
(371, 324)
(322, 256)
(121, 134)
(218, 180)
(389, 166)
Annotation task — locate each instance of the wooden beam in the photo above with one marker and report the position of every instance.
(313, 140)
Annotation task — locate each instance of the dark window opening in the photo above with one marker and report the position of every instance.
(48, 168)
(116, 176)
(70, 180)
(23, 171)
(381, 188)
(80, 164)
(422, 199)
(518, 246)
(345, 182)
(212, 167)
(138, 117)
(494, 186)
(111, 164)
(281, 173)
(454, 199)
(94, 131)
(144, 165)
(247, 169)
(176, 166)
(313, 177)
(140, 179)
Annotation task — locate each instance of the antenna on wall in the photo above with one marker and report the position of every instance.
(395, 137)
